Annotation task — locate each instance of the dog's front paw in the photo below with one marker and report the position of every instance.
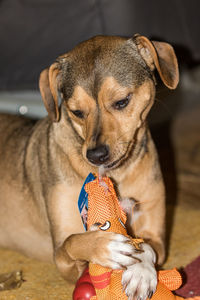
(140, 280)
(121, 252)
(112, 250)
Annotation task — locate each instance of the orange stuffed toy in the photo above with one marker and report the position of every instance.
(104, 209)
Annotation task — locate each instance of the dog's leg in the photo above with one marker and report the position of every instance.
(73, 248)
(139, 280)
(105, 248)
(149, 220)
(146, 218)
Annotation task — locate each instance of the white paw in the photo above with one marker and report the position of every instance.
(122, 253)
(140, 280)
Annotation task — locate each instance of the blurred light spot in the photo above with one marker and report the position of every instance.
(23, 109)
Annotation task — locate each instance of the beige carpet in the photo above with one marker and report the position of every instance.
(180, 157)
(184, 213)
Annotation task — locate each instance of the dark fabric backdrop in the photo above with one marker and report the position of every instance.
(34, 32)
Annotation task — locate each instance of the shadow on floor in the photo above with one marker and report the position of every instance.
(162, 139)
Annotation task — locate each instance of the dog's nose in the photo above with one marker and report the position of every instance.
(98, 155)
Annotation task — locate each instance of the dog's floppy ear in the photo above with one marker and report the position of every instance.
(162, 56)
(49, 85)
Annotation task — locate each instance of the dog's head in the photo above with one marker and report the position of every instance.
(107, 86)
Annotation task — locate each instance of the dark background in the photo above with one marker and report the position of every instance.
(34, 32)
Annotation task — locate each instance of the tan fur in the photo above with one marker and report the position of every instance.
(43, 164)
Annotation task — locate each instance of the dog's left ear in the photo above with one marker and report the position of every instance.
(161, 56)
(49, 87)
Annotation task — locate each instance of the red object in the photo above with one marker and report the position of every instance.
(85, 277)
(191, 274)
(84, 289)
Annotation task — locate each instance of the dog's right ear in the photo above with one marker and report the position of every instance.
(49, 87)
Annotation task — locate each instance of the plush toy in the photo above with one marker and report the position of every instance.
(103, 283)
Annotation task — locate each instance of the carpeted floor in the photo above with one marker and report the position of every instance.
(179, 150)
(183, 198)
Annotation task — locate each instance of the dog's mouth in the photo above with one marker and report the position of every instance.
(113, 164)
(110, 165)
(116, 163)
(115, 160)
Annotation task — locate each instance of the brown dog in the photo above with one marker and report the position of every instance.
(107, 87)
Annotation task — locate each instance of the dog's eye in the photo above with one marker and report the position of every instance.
(119, 105)
(78, 113)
